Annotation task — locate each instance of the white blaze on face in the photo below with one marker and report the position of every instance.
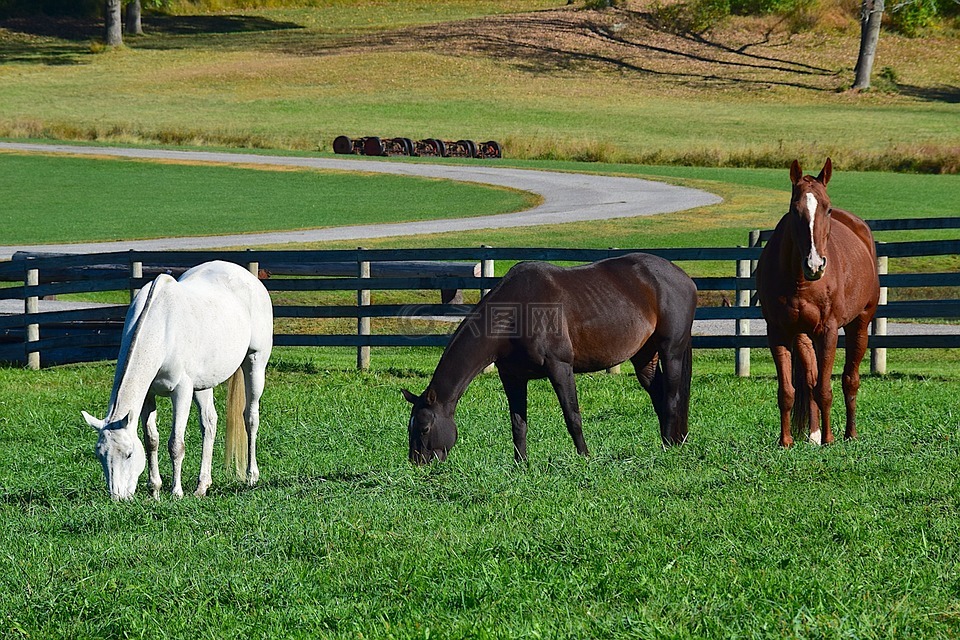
(814, 261)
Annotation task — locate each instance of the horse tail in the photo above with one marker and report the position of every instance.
(235, 439)
(800, 413)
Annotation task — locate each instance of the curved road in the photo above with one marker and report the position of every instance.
(567, 197)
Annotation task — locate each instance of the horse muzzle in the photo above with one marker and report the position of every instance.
(814, 273)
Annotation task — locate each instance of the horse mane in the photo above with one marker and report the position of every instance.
(128, 345)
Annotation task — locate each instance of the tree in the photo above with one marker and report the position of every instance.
(132, 19)
(113, 35)
(871, 13)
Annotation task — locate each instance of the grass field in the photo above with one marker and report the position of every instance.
(725, 536)
(78, 199)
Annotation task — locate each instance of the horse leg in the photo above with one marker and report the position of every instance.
(151, 441)
(648, 373)
(180, 398)
(785, 390)
(856, 347)
(805, 381)
(666, 376)
(254, 378)
(564, 385)
(826, 354)
(208, 429)
(516, 389)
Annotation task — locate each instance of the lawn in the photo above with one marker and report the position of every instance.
(727, 535)
(77, 199)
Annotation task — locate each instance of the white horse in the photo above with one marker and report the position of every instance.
(181, 338)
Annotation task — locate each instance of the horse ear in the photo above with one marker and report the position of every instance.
(825, 173)
(795, 172)
(431, 396)
(409, 395)
(93, 422)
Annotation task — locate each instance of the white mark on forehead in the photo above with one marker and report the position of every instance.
(814, 261)
(812, 204)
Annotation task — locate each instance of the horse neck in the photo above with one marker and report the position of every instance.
(465, 357)
(141, 354)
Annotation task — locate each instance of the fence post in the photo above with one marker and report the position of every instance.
(31, 304)
(742, 367)
(753, 240)
(486, 271)
(136, 272)
(363, 322)
(878, 355)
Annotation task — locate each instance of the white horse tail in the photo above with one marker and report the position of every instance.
(235, 440)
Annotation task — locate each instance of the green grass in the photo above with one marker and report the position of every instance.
(726, 536)
(76, 199)
(122, 199)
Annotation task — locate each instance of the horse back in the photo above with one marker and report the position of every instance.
(859, 228)
(604, 311)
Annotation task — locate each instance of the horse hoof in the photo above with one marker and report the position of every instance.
(177, 493)
(201, 492)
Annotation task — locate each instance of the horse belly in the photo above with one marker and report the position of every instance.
(602, 347)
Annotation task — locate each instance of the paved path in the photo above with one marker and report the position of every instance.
(567, 197)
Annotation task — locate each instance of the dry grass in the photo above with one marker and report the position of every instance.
(559, 82)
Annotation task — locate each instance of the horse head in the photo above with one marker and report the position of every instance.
(432, 430)
(810, 212)
(120, 453)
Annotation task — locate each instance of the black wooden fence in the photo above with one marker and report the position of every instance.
(33, 336)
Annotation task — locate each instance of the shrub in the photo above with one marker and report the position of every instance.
(696, 16)
(912, 17)
(599, 4)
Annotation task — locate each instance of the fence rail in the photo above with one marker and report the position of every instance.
(33, 336)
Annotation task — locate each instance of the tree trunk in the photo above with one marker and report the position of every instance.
(871, 13)
(114, 25)
(132, 19)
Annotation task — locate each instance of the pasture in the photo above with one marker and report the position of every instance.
(727, 535)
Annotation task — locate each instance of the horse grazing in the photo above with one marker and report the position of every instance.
(817, 273)
(181, 338)
(544, 321)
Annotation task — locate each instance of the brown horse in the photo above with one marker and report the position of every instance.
(817, 273)
(544, 321)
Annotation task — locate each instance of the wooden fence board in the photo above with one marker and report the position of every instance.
(102, 332)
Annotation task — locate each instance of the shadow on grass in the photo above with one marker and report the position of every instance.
(199, 25)
(65, 40)
(948, 94)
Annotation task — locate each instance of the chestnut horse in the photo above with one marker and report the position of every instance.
(817, 273)
(544, 321)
